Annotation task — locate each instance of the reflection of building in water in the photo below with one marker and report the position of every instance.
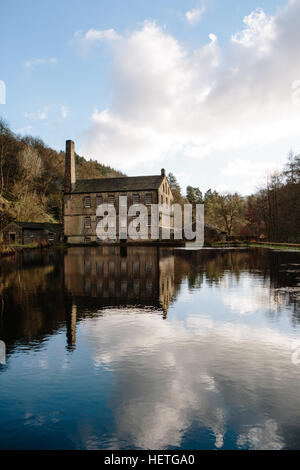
(166, 281)
(118, 276)
(71, 318)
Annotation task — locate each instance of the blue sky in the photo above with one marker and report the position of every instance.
(132, 82)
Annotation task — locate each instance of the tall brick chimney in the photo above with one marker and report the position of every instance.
(163, 172)
(70, 176)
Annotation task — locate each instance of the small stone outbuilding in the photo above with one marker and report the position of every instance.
(25, 233)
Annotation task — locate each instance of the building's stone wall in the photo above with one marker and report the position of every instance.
(15, 234)
(12, 233)
(75, 211)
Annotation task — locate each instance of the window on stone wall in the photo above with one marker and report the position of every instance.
(87, 201)
(111, 199)
(123, 287)
(123, 267)
(136, 287)
(99, 200)
(148, 199)
(135, 198)
(50, 237)
(149, 286)
(136, 267)
(87, 240)
(149, 220)
(99, 267)
(111, 287)
(149, 268)
(161, 199)
(87, 222)
(87, 267)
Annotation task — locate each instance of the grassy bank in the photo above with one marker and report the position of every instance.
(243, 244)
(8, 250)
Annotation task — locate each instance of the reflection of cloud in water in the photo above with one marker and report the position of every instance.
(171, 375)
(246, 297)
(263, 437)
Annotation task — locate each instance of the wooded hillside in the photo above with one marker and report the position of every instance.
(31, 178)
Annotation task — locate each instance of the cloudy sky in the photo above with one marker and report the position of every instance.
(208, 89)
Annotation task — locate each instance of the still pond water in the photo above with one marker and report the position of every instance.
(150, 348)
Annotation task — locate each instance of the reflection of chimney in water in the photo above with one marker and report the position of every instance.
(71, 318)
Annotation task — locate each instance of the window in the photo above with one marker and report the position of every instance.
(87, 201)
(87, 222)
(161, 199)
(149, 268)
(50, 237)
(100, 288)
(111, 287)
(123, 287)
(87, 286)
(99, 267)
(136, 287)
(149, 220)
(167, 201)
(148, 199)
(111, 267)
(87, 240)
(149, 286)
(111, 199)
(135, 198)
(87, 267)
(136, 267)
(123, 267)
(99, 200)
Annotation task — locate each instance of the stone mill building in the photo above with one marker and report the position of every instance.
(82, 197)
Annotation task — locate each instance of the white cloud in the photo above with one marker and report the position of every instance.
(96, 35)
(64, 111)
(260, 31)
(83, 42)
(170, 105)
(193, 16)
(39, 115)
(252, 172)
(32, 63)
(55, 112)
